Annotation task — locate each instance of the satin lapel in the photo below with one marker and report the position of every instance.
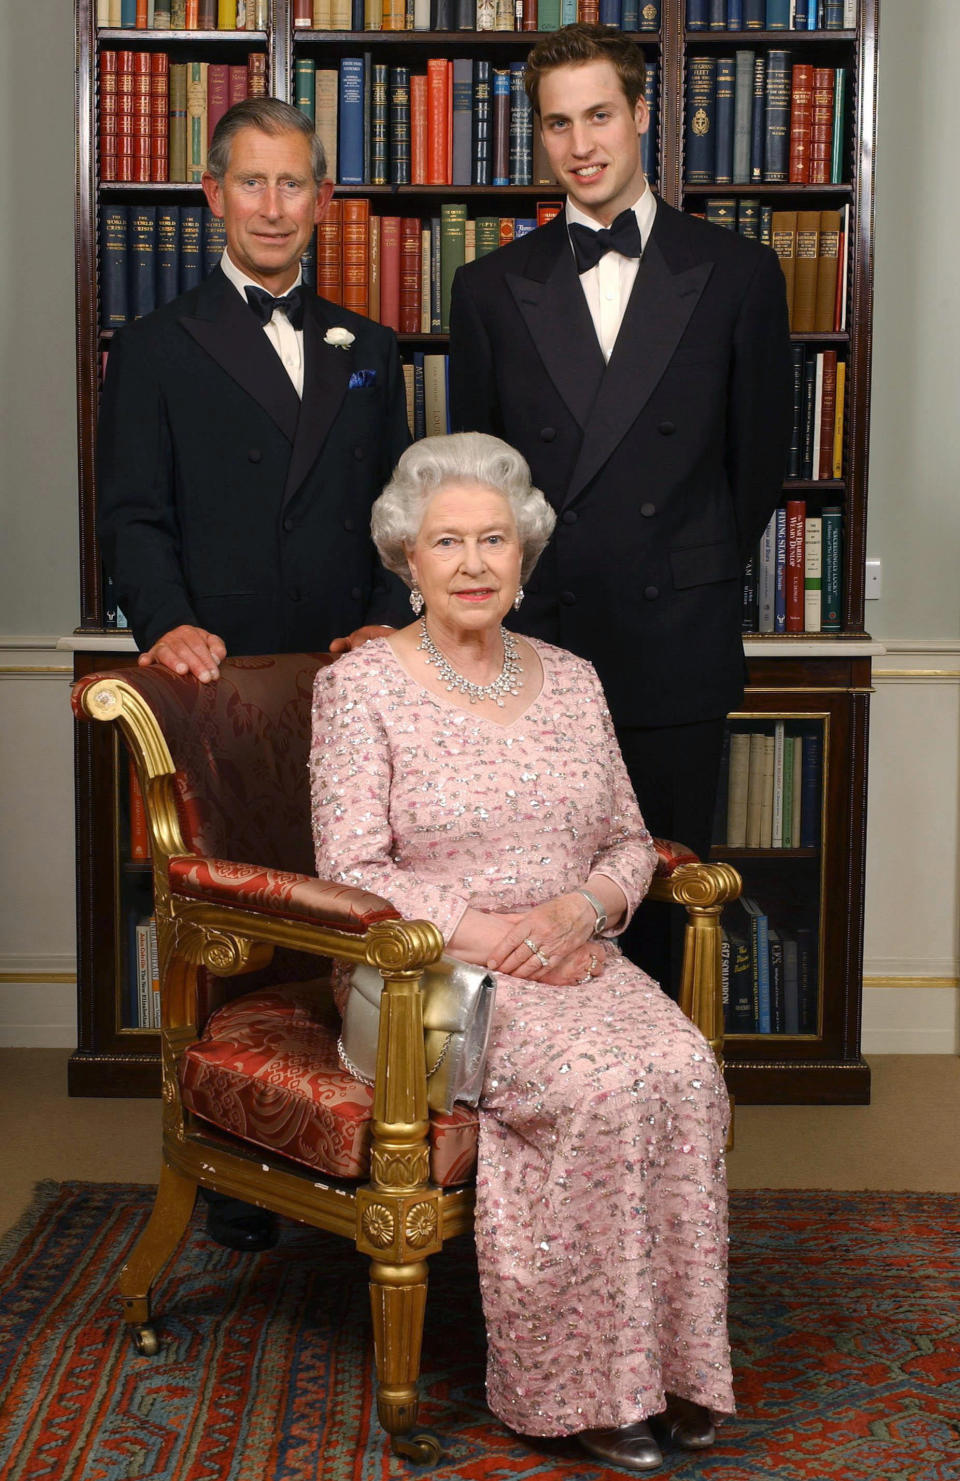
(230, 334)
(656, 316)
(326, 375)
(551, 303)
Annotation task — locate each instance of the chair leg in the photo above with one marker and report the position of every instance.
(172, 1208)
(398, 1299)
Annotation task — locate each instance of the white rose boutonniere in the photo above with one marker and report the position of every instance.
(340, 337)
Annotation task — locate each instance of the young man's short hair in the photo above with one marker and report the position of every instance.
(587, 43)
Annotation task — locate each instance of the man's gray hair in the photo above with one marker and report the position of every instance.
(436, 463)
(270, 116)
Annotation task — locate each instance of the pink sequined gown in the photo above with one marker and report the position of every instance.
(601, 1201)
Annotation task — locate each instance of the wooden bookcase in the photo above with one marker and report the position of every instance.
(815, 683)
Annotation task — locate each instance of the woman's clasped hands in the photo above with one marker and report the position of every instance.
(553, 943)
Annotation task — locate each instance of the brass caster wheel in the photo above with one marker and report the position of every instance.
(422, 1447)
(145, 1340)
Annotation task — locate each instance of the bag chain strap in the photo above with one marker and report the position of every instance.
(364, 1080)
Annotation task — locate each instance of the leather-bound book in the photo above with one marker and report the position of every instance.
(821, 126)
(140, 122)
(501, 126)
(801, 115)
(114, 292)
(410, 275)
(701, 153)
(191, 257)
(329, 253)
(438, 113)
(521, 128)
(379, 126)
(785, 246)
(758, 122)
(828, 413)
(159, 116)
(327, 94)
(177, 121)
(237, 82)
(356, 251)
(742, 115)
(168, 253)
(390, 272)
(453, 216)
(828, 262)
(256, 75)
(373, 267)
(724, 113)
(196, 120)
(108, 115)
(776, 148)
(207, 15)
(461, 170)
(481, 124)
(418, 128)
(796, 516)
(803, 320)
(142, 266)
(218, 95)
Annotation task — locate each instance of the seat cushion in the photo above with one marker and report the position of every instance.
(267, 1070)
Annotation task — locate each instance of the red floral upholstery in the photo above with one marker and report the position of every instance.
(670, 856)
(267, 1070)
(292, 896)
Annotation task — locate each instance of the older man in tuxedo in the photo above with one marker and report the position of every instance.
(247, 427)
(245, 431)
(639, 358)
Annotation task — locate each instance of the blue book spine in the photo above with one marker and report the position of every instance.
(734, 15)
(833, 15)
(725, 96)
(114, 297)
(128, 13)
(356, 15)
(168, 253)
(611, 13)
(776, 148)
(419, 397)
(758, 119)
(379, 125)
(649, 16)
(501, 91)
(701, 153)
(213, 240)
(648, 141)
(350, 170)
(523, 226)
(801, 15)
(807, 979)
(754, 15)
(630, 15)
(810, 791)
(698, 13)
(367, 116)
(142, 249)
(798, 356)
(521, 128)
(191, 260)
(481, 122)
(568, 12)
(718, 15)
(780, 587)
(778, 15)
(809, 415)
(760, 941)
(748, 617)
(399, 105)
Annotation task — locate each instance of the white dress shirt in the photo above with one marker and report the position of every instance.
(607, 287)
(287, 341)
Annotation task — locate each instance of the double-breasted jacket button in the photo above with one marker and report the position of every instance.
(348, 524)
(651, 593)
(289, 524)
(356, 592)
(254, 455)
(569, 516)
(568, 598)
(667, 429)
(547, 434)
(359, 454)
(648, 510)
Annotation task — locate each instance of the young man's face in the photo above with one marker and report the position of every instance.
(592, 137)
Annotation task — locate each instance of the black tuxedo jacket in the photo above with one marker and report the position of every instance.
(663, 465)
(226, 502)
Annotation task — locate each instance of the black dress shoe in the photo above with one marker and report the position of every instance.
(240, 1226)
(684, 1423)
(633, 1447)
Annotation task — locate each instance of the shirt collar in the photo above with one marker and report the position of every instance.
(645, 209)
(240, 280)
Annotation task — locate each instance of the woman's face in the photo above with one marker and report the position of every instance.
(466, 558)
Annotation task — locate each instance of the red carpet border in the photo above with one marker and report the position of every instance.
(844, 1314)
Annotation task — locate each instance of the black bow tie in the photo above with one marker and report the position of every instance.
(264, 304)
(622, 236)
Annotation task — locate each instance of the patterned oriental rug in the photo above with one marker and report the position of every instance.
(845, 1318)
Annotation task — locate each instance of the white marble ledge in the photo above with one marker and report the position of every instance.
(118, 642)
(808, 647)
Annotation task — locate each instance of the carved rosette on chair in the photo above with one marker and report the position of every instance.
(223, 773)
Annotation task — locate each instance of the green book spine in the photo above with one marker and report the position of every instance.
(748, 218)
(766, 225)
(305, 86)
(548, 15)
(488, 234)
(839, 102)
(831, 592)
(178, 120)
(453, 218)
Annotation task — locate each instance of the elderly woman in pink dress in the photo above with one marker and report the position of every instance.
(472, 777)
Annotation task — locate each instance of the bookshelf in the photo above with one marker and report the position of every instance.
(809, 684)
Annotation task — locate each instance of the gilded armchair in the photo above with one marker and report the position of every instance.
(255, 1103)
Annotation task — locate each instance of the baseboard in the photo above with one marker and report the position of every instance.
(911, 1015)
(38, 1002)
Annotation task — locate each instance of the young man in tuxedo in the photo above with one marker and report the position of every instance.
(639, 359)
(246, 429)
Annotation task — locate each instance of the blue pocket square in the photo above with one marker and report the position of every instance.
(362, 378)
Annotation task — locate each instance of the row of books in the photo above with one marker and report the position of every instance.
(460, 122)
(813, 247)
(819, 406)
(768, 795)
(756, 118)
(472, 15)
(793, 583)
(157, 117)
(150, 254)
(771, 15)
(183, 15)
(398, 270)
(142, 1009)
(769, 974)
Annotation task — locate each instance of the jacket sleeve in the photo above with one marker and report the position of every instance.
(388, 596)
(136, 520)
(760, 402)
(474, 398)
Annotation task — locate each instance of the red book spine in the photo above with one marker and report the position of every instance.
(821, 126)
(796, 516)
(218, 95)
(546, 210)
(329, 261)
(589, 12)
(506, 230)
(302, 14)
(108, 115)
(141, 18)
(159, 116)
(256, 75)
(124, 116)
(141, 115)
(828, 413)
(356, 251)
(192, 16)
(139, 838)
(437, 68)
(390, 272)
(529, 22)
(418, 128)
(237, 84)
(801, 109)
(410, 275)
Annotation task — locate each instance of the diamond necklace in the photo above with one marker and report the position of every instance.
(506, 681)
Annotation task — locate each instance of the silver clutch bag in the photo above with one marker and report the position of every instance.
(457, 1004)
